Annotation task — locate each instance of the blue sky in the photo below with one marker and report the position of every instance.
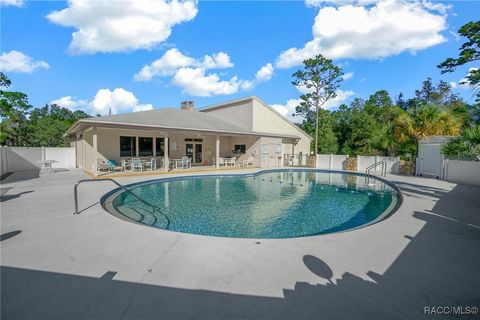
(96, 69)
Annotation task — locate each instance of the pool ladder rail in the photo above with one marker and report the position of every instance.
(383, 171)
(154, 208)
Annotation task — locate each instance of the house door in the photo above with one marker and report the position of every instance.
(264, 155)
(194, 152)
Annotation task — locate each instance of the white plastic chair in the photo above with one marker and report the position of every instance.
(186, 162)
(136, 164)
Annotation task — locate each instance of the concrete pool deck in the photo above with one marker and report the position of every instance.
(56, 265)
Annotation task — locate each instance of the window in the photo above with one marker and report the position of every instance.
(278, 150)
(160, 147)
(239, 149)
(128, 147)
(193, 140)
(145, 147)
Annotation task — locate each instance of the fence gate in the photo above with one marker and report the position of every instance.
(431, 159)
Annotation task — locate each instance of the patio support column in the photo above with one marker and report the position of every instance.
(166, 160)
(154, 147)
(95, 148)
(217, 151)
(137, 148)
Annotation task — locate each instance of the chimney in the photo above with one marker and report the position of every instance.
(187, 105)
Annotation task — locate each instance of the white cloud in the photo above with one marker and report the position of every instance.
(264, 74)
(196, 82)
(173, 59)
(319, 3)
(113, 26)
(193, 75)
(437, 6)
(70, 103)
(342, 97)
(16, 61)
(142, 107)
(464, 82)
(304, 89)
(118, 101)
(288, 109)
(388, 27)
(16, 3)
(348, 75)
(453, 84)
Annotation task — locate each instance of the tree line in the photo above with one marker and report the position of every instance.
(22, 125)
(383, 125)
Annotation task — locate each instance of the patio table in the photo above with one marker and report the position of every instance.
(174, 163)
(229, 161)
(47, 164)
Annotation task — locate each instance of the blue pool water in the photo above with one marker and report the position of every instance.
(280, 204)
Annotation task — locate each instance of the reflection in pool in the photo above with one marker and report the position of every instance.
(272, 204)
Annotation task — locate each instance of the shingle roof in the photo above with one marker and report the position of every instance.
(171, 119)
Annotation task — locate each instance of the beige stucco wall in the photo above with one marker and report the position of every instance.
(266, 120)
(255, 116)
(85, 151)
(239, 114)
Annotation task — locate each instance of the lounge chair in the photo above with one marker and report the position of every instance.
(136, 164)
(114, 166)
(102, 166)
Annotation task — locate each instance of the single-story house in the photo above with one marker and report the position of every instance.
(242, 128)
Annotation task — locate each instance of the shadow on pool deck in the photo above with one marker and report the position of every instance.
(438, 268)
(6, 197)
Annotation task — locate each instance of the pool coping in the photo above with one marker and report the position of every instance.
(107, 198)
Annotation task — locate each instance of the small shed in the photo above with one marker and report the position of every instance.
(430, 158)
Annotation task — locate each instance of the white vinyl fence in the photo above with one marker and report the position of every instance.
(363, 162)
(331, 161)
(467, 172)
(16, 159)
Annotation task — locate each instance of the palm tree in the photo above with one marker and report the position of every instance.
(464, 147)
(424, 122)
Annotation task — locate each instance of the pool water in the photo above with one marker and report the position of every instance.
(275, 204)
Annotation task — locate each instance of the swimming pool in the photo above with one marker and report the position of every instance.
(268, 204)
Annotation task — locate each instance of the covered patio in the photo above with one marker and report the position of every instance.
(178, 139)
(105, 150)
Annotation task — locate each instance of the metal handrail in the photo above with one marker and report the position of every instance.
(383, 162)
(123, 188)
